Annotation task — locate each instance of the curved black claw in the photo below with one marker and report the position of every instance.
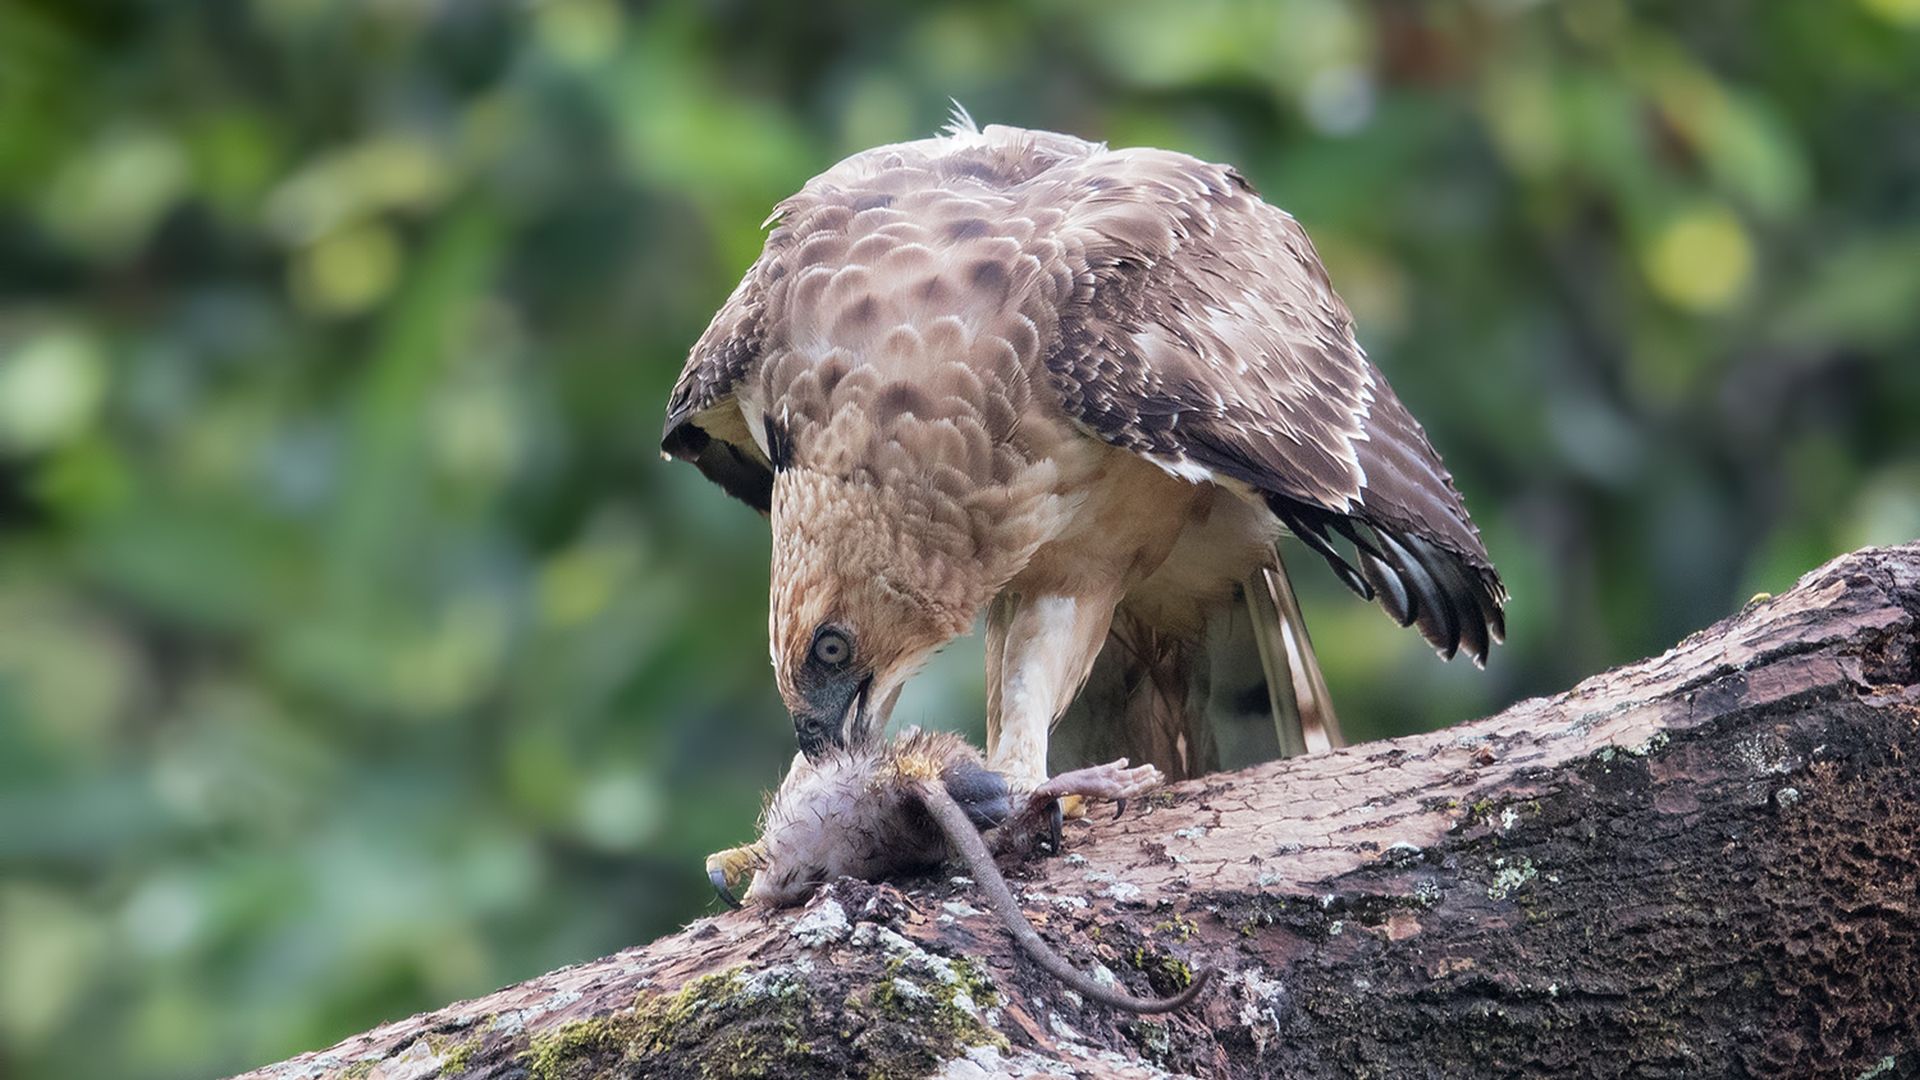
(719, 878)
(1056, 820)
(1119, 808)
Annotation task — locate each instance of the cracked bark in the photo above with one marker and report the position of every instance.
(1703, 864)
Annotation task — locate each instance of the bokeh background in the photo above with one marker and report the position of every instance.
(357, 651)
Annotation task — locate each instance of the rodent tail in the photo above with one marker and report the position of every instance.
(965, 838)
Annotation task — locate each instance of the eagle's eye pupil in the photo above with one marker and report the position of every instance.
(831, 649)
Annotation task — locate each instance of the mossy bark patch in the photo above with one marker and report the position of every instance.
(894, 1019)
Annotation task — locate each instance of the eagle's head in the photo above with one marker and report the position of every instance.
(869, 580)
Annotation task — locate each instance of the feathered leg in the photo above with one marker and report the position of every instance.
(1145, 701)
(1039, 652)
(999, 620)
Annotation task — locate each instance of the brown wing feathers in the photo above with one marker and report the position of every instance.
(1210, 336)
(724, 353)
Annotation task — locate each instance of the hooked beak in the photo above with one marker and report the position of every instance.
(831, 719)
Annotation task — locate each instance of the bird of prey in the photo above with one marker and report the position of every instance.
(1082, 390)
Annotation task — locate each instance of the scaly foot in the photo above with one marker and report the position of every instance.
(1114, 781)
(1068, 795)
(725, 868)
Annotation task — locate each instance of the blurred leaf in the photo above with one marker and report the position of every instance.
(107, 199)
(50, 389)
(1700, 259)
(1865, 292)
(1901, 12)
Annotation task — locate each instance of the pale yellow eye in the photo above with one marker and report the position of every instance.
(831, 648)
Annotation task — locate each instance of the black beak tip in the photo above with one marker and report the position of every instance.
(832, 719)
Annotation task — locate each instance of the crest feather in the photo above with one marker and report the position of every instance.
(959, 121)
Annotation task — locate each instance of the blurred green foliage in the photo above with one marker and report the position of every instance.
(357, 653)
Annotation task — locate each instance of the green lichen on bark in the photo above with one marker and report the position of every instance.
(455, 1055)
(933, 1015)
(571, 1050)
(1162, 969)
(744, 1022)
(1153, 1039)
(1179, 928)
(739, 1025)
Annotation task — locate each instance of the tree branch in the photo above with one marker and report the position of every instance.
(1703, 864)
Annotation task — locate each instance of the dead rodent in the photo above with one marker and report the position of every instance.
(905, 806)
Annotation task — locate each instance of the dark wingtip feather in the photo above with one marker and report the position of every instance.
(1310, 526)
(1472, 596)
(1462, 596)
(721, 462)
(1392, 593)
(1353, 531)
(1455, 603)
(1435, 613)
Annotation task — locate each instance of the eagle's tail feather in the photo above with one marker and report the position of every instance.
(1388, 589)
(1434, 610)
(1455, 601)
(1303, 716)
(1455, 604)
(1311, 525)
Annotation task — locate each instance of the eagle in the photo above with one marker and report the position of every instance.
(1082, 391)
